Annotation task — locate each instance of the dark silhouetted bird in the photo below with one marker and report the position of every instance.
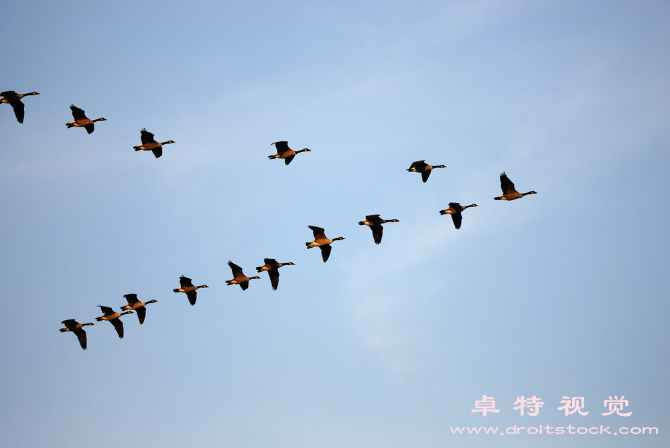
(322, 242)
(455, 210)
(77, 328)
(149, 144)
(420, 166)
(139, 307)
(112, 317)
(81, 121)
(238, 276)
(272, 267)
(509, 193)
(375, 224)
(188, 288)
(284, 152)
(14, 99)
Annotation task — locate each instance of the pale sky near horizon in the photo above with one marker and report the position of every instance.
(563, 293)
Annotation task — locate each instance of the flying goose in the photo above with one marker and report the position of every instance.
(80, 120)
(375, 224)
(509, 193)
(188, 288)
(139, 307)
(14, 99)
(77, 328)
(272, 267)
(455, 210)
(112, 317)
(284, 152)
(149, 144)
(420, 166)
(238, 276)
(322, 242)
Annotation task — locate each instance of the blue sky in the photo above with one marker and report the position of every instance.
(563, 293)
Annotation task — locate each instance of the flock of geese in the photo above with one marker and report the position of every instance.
(271, 266)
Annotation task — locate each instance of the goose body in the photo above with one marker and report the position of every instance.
(238, 276)
(322, 242)
(112, 317)
(509, 192)
(14, 100)
(81, 121)
(420, 166)
(272, 268)
(375, 224)
(149, 144)
(139, 307)
(77, 328)
(455, 210)
(284, 152)
(188, 288)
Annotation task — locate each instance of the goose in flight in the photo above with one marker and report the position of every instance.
(77, 328)
(272, 267)
(420, 166)
(322, 242)
(455, 210)
(375, 224)
(188, 288)
(139, 307)
(238, 276)
(284, 152)
(149, 144)
(14, 100)
(509, 193)
(81, 121)
(112, 317)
